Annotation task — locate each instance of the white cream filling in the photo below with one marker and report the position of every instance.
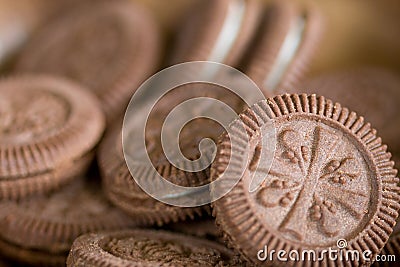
(286, 54)
(229, 32)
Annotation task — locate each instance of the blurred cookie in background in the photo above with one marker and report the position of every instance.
(284, 46)
(18, 20)
(216, 30)
(110, 47)
(372, 92)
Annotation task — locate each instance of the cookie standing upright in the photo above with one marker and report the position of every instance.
(48, 130)
(110, 47)
(284, 47)
(148, 248)
(332, 183)
(122, 190)
(40, 230)
(216, 30)
(120, 185)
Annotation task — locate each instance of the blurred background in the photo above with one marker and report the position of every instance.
(358, 33)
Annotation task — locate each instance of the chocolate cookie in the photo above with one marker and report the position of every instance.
(48, 129)
(331, 185)
(120, 186)
(285, 46)
(110, 47)
(216, 30)
(122, 190)
(40, 230)
(148, 248)
(372, 92)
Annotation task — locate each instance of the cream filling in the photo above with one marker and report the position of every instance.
(229, 32)
(286, 53)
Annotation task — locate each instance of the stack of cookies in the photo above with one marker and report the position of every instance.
(69, 198)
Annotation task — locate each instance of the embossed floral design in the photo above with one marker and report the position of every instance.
(311, 180)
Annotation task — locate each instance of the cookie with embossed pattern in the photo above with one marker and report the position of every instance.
(48, 129)
(40, 230)
(110, 47)
(148, 248)
(217, 30)
(331, 180)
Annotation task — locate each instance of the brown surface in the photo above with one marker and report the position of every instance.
(41, 230)
(204, 228)
(148, 248)
(371, 92)
(331, 178)
(110, 47)
(46, 125)
(279, 18)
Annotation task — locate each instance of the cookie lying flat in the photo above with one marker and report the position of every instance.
(110, 47)
(372, 92)
(217, 30)
(48, 129)
(40, 230)
(148, 248)
(284, 47)
(331, 179)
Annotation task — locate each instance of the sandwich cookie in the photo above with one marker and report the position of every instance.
(40, 230)
(286, 43)
(110, 47)
(373, 92)
(148, 248)
(217, 30)
(122, 190)
(120, 186)
(48, 130)
(331, 185)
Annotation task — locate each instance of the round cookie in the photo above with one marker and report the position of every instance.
(284, 48)
(48, 129)
(122, 190)
(331, 180)
(121, 187)
(148, 248)
(216, 30)
(110, 47)
(40, 230)
(373, 92)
